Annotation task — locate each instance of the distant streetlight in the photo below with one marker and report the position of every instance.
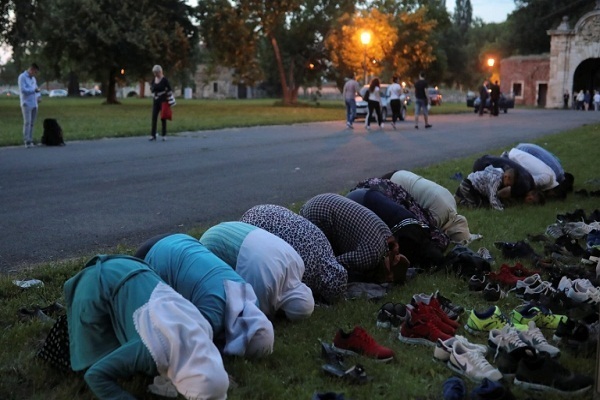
(491, 62)
(365, 38)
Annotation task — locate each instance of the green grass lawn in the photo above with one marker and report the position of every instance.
(88, 118)
(293, 371)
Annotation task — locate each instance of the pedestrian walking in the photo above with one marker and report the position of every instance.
(351, 89)
(422, 101)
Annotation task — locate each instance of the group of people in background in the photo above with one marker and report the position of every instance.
(372, 95)
(587, 100)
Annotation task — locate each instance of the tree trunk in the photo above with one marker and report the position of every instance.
(284, 87)
(142, 88)
(73, 87)
(111, 94)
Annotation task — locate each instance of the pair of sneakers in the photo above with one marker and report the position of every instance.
(454, 388)
(482, 322)
(391, 316)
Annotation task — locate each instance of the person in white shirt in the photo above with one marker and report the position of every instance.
(29, 94)
(351, 89)
(374, 103)
(395, 91)
(597, 101)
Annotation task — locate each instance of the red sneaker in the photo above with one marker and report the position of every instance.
(421, 331)
(425, 312)
(505, 277)
(358, 341)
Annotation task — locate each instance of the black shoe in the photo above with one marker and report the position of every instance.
(453, 311)
(540, 372)
(492, 292)
(416, 126)
(427, 126)
(518, 249)
(152, 139)
(491, 390)
(477, 283)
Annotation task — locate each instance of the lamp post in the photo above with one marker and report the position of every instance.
(365, 38)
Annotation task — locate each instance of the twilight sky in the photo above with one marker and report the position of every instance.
(488, 10)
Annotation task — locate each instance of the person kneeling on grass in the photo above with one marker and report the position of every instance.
(413, 237)
(123, 320)
(438, 200)
(220, 294)
(268, 263)
(486, 188)
(361, 241)
(324, 275)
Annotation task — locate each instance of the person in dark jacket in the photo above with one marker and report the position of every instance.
(161, 88)
(483, 96)
(495, 98)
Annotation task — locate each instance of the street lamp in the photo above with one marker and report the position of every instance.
(491, 62)
(365, 38)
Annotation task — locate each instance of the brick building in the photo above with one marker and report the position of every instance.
(572, 65)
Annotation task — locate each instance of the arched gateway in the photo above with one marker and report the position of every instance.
(572, 65)
(574, 58)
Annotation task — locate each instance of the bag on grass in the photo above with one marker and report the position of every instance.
(166, 112)
(53, 133)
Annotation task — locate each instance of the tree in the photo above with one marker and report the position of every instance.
(235, 33)
(463, 16)
(348, 54)
(531, 20)
(116, 39)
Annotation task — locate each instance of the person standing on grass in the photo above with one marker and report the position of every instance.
(374, 104)
(395, 91)
(483, 96)
(351, 89)
(422, 101)
(161, 89)
(597, 100)
(29, 96)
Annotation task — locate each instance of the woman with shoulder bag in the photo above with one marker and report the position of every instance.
(161, 89)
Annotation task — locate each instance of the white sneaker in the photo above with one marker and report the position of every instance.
(443, 348)
(579, 293)
(506, 339)
(471, 364)
(535, 338)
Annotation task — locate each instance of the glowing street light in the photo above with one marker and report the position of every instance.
(491, 62)
(365, 38)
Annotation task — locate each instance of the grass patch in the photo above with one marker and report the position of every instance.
(88, 118)
(293, 371)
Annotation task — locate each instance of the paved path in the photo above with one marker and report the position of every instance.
(91, 196)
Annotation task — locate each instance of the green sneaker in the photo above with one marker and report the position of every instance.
(540, 315)
(483, 322)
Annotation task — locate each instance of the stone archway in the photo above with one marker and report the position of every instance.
(574, 57)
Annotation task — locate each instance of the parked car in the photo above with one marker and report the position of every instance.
(435, 97)
(471, 96)
(58, 93)
(83, 92)
(386, 109)
(504, 103)
(44, 92)
(9, 93)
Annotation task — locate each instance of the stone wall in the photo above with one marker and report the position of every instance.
(526, 72)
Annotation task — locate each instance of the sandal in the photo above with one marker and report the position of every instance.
(355, 374)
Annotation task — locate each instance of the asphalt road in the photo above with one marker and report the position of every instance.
(91, 196)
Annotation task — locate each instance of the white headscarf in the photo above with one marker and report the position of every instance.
(248, 332)
(275, 270)
(194, 365)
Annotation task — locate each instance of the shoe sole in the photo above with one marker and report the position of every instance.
(355, 354)
(463, 373)
(549, 389)
(422, 341)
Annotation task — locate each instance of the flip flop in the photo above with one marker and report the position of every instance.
(355, 374)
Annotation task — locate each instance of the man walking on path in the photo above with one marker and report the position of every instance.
(422, 100)
(351, 89)
(28, 92)
(495, 97)
(483, 95)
